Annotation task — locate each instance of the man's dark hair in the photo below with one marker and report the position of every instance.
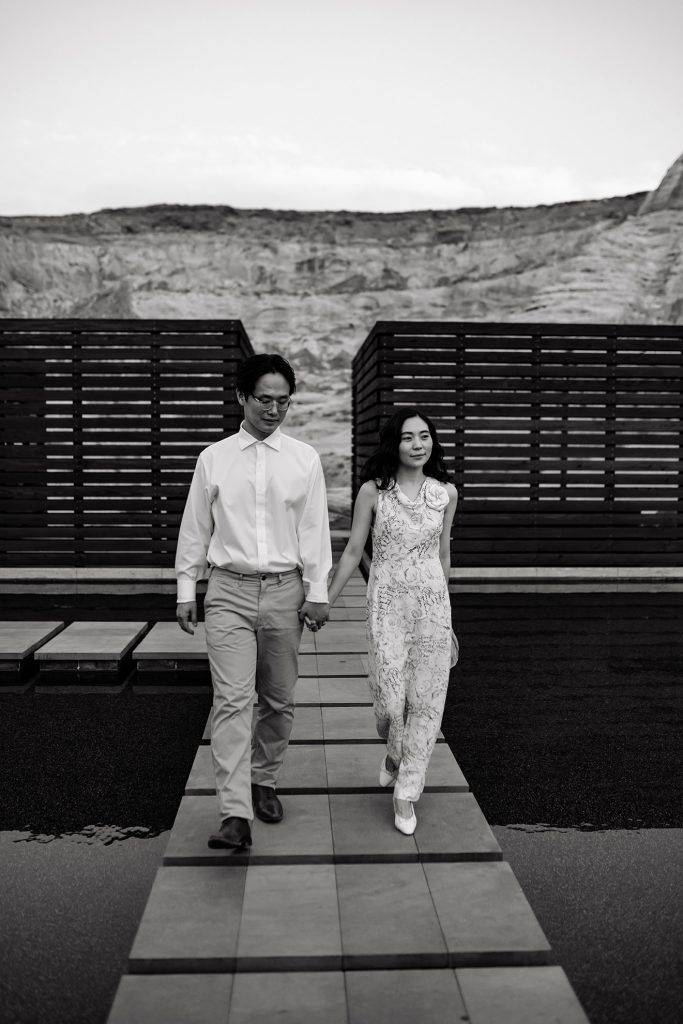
(382, 465)
(253, 367)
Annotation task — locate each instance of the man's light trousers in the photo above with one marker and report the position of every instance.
(252, 637)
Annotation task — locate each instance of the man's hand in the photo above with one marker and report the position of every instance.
(314, 614)
(186, 613)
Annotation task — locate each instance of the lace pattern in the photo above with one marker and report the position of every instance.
(410, 641)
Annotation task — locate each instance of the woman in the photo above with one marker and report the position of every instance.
(407, 501)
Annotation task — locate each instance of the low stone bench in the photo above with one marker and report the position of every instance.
(89, 652)
(168, 656)
(18, 644)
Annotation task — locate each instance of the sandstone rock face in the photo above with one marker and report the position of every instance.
(312, 284)
(669, 194)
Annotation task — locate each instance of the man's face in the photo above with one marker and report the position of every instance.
(262, 417)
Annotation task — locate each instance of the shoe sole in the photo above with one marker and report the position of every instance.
(215, 843)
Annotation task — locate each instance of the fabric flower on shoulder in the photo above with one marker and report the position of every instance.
(436, 495)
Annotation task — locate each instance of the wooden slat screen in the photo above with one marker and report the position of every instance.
(102, 422)
(565, 440)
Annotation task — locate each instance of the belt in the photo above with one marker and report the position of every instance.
(257, 575)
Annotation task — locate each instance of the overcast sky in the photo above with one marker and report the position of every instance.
(331, 104)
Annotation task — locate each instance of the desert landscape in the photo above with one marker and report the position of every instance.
(311, 285)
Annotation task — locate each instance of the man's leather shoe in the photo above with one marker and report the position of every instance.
(234, 834)
(267, 806)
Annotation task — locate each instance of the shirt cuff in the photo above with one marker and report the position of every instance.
(317, 592)
(187, 589)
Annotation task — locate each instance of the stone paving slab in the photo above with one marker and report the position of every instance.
(387, 917)
(404, 997)
(341, 665)
(356, 614)
(307, 727)
(303, 836)
(304, 997)
(20, 639)
(485, 916)
(519, 995)
(290, 918)
(349, 724)
(352, 724)
(363, 829)
(337, 614)
(304, 770)
(495, 995)
(172, 999)
(308, 665)
(332, 641)
(451, 826)
(344, 690)
(166, 640)
(354, 767)
(92, 641)
(191, 921)
(329, 645)
(307, 691)
(352, 630)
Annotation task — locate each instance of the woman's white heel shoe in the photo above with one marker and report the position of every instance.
(406, 825)
(386, 778)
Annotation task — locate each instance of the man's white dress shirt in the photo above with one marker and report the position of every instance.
(256, 506)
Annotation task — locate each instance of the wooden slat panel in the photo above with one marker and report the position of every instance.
(110, 417)
(560, 435)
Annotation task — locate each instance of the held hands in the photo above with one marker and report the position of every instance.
(314, 614)
(186, 613)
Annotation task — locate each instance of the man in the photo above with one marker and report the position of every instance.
(256, 513)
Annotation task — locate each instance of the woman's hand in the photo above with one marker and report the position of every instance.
(315, 614)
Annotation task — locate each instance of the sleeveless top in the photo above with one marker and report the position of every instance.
(406, 580)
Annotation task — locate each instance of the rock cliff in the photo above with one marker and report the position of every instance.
(669, 194)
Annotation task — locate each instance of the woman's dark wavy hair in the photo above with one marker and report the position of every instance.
(383, 463)
(253, 367)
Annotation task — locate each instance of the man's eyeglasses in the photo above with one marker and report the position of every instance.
(265, 403)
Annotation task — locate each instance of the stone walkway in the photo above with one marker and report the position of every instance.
(334, 916)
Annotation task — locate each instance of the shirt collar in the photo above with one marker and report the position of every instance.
(245, 439)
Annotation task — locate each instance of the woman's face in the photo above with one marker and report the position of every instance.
(416, 443)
